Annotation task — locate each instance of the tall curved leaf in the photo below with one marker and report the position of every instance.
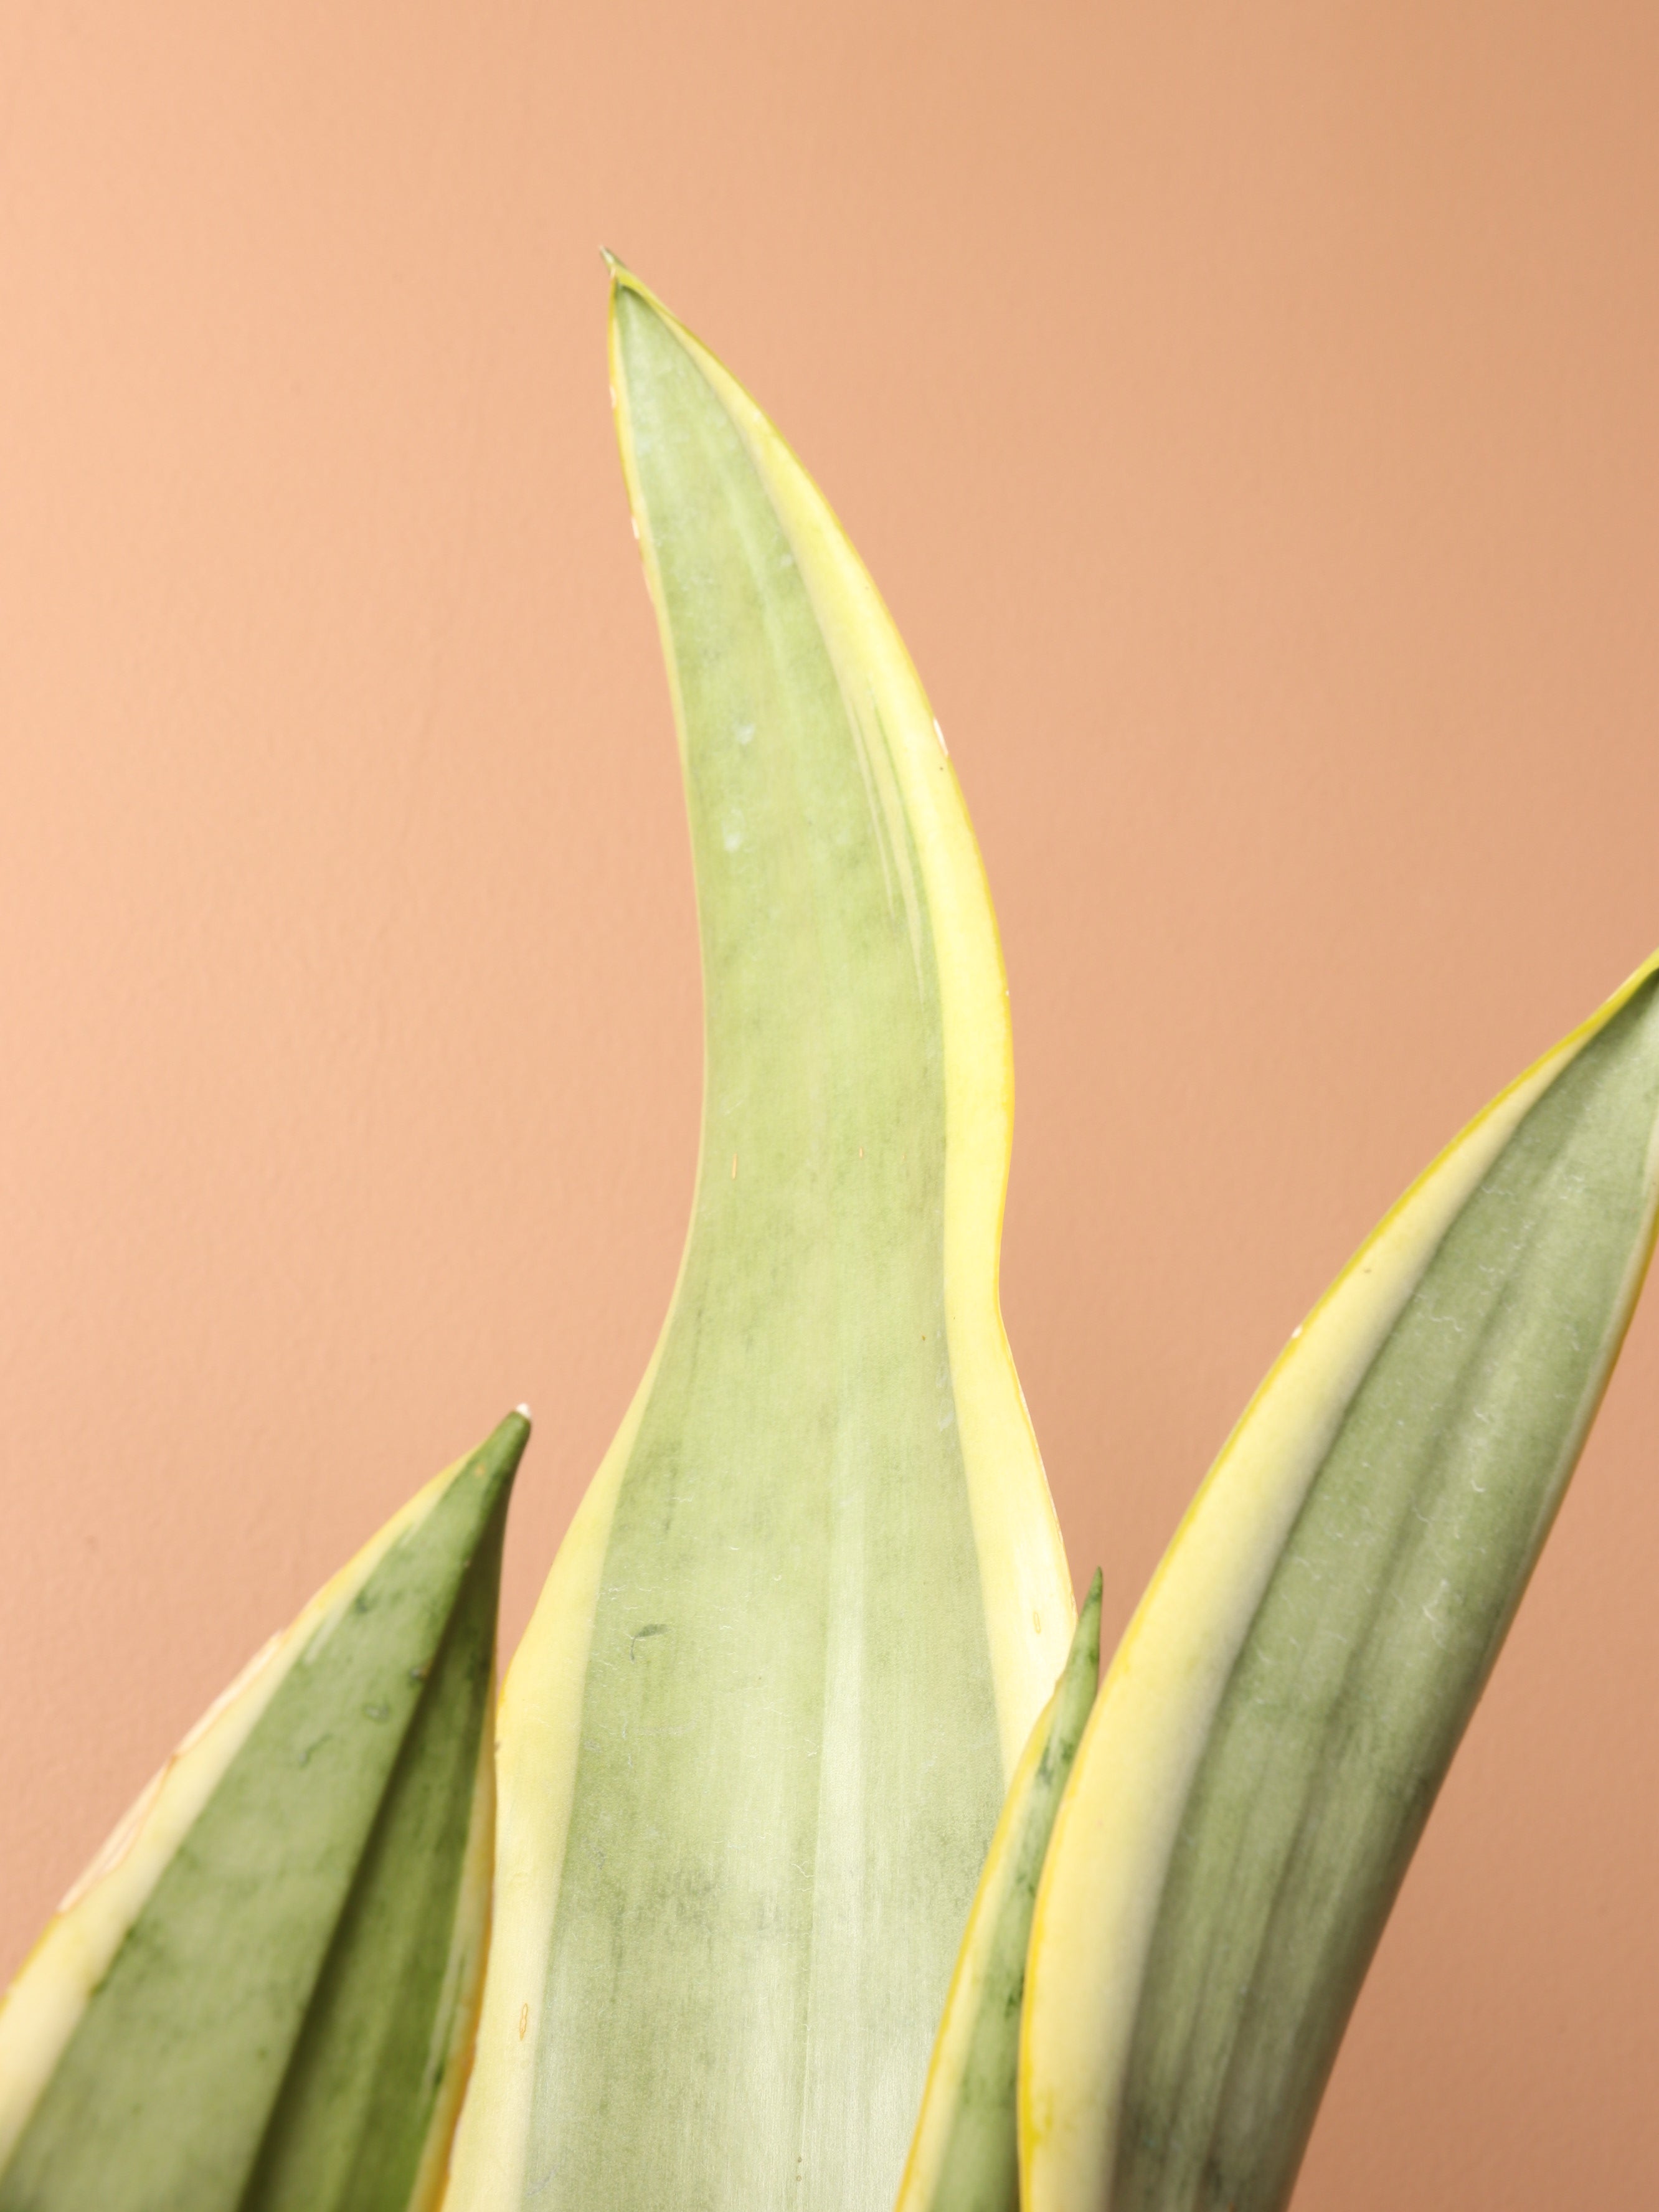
(755, 1743)
(1271, 1735)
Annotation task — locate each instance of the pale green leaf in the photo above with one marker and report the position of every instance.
(756, 1741)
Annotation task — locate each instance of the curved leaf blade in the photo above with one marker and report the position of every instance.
(964, 2156)
(756, 1741)
(1272, 1733)
(262, 1996)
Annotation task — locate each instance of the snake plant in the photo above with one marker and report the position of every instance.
(823, 1875)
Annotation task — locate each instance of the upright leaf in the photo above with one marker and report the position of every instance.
(964, 2156)
(261, 1997)
(755, 1743)
(1271, 1735)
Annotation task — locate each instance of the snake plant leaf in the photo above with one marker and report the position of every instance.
(1270, 1737)
(754, 1745)
(261, 1995)
(964, 2156)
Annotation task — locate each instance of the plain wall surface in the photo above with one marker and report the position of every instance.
(1249, 414)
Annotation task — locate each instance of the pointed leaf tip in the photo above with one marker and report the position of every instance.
(268, 1989)
(1269, 1743)
(965, 2155)
(830, 1426)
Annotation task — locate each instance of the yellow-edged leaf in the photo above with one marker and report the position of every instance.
(261, 1997)
(964, 2156)
(755, 1743)
(1270, 1735)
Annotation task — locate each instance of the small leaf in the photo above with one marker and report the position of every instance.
(963, 2157)
(261, 1997)
(1271, 1735)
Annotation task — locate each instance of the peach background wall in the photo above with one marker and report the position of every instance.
(1249, 415)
